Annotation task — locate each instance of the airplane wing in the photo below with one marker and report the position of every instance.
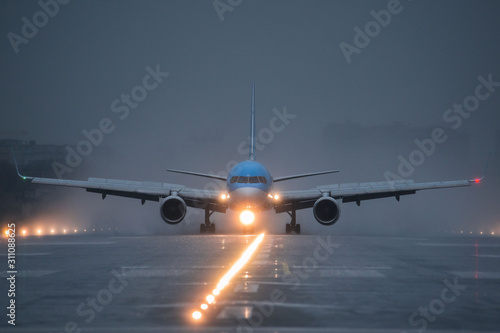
(143, 190)
(357, 192)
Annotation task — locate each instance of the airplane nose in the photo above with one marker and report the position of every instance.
(248, 192)
(248, 196)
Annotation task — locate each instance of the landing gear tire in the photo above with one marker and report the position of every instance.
(292, 229)
(207, 229)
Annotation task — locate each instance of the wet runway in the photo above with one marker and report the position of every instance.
(295, 283)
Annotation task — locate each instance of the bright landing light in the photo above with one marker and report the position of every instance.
(247, 217)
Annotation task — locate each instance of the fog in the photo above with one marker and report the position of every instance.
(359, 112)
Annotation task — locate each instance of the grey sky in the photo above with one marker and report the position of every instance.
(427, 58)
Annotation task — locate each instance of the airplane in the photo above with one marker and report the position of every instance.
(249, 190)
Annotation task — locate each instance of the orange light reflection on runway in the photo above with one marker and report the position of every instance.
(240, 263)
(224, 281)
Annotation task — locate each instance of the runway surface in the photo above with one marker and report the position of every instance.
(295, 283)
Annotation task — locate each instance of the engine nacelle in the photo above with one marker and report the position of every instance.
(173, 209)
(326, 210)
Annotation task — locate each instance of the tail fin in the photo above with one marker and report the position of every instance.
(251, 154)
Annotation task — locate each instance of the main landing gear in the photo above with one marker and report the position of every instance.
(292, 227)
(207, 227)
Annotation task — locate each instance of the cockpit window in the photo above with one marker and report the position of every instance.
(254, 180)
(248, 180)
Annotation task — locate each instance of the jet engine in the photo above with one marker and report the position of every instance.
(326, 210)
(173, 209)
